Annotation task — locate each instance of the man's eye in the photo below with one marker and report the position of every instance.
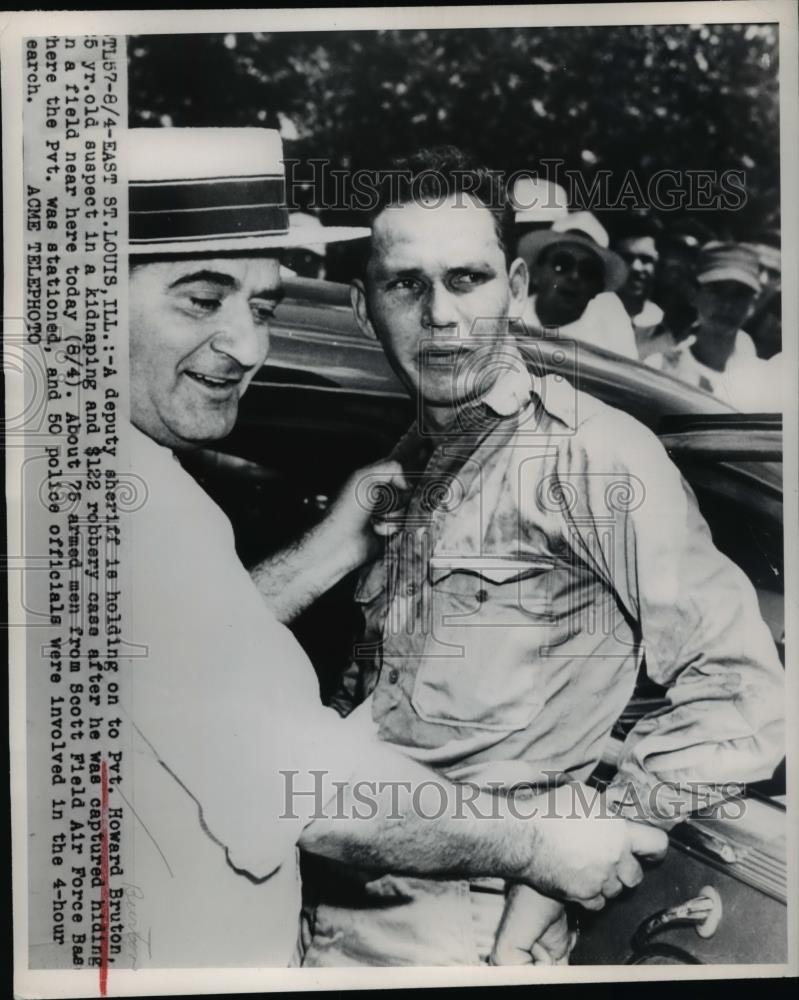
(204, 303)
(262, 311)
(468, 279)
(402, 284)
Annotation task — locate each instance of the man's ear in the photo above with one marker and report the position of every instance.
(360, 309)
(519, 279)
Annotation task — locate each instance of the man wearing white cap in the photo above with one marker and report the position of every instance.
(719, 356)
(234, 761)
(573, 275)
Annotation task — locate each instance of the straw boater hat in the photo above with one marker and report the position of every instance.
(211, 190)
(313, 233)
(584, 229)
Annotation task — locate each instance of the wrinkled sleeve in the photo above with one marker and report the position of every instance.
(637, 522)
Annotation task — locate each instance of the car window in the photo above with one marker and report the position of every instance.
(752, 381)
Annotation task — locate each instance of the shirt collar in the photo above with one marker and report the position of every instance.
(650, 315)
(515, 386)
(143, 443)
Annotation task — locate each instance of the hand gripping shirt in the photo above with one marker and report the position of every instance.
(544, 554)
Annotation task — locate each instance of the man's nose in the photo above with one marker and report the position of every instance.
(571, 273)
(439, 310)
(240, 337)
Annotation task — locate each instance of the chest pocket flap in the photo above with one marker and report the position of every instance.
(489, 617)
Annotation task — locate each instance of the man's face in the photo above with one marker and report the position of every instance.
(199, 330)
(437, 295)
(641, 256)
(724, 305)
(567, 277)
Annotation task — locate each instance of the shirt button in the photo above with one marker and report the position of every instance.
(410, 589)
(482, 596)
(393, 675)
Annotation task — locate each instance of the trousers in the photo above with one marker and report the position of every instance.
(401, 920)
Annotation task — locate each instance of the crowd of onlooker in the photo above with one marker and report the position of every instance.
(702, 310)
(671, 296)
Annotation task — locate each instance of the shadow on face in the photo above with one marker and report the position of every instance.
(724, 305)
(567, 277)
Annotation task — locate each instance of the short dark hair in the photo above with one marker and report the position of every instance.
(441, 172)
(635, 227)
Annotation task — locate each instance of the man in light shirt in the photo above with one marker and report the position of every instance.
(573, 277)
(635, 242)
(719, 356)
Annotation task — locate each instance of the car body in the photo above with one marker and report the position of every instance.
(326, 403)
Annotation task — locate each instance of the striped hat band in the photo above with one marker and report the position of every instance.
(203, 190)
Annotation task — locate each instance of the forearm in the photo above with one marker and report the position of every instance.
(692, 758)
(412, 821)
(293, 578)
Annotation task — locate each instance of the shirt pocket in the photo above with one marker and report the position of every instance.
(489, 619)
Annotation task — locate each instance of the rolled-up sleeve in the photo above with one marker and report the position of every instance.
(700, 625)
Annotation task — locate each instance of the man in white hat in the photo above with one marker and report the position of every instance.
(573, 275)
(536, 203)
(234, 761)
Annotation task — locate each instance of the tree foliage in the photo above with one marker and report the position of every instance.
(623, 98)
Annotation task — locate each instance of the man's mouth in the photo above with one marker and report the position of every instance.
(214, 383)
(446, 361)
(445, 352)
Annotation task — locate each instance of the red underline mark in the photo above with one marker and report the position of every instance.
(105, 905)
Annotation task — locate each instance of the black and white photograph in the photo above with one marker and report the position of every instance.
(399, 578)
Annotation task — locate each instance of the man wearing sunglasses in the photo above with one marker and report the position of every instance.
(574, 277)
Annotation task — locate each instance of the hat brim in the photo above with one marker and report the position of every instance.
(241, 244)
(730, 274)
(533, 215)
(533, 244)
